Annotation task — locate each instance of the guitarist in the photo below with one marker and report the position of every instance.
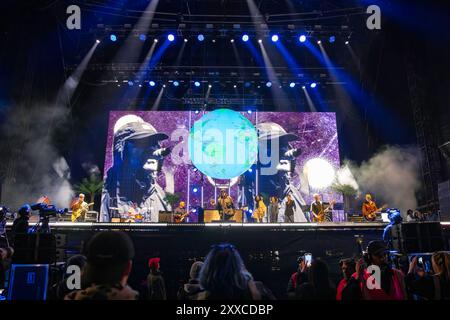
(370, 209)
(180, 213)
(79, 209)
(318, 209)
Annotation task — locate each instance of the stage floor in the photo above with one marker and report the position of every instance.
(154, 227)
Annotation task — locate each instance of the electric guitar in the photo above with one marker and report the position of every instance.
(179, 217)
(320, 216)
(79, 211)
(370, 214)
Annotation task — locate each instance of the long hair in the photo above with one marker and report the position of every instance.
(441, 260)
(318, 277)
(224, 274)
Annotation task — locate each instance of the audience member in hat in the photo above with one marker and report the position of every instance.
(392, 285)
(190, 290)
(155, 281)
(105, 275)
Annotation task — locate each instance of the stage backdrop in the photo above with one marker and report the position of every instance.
(147, 159)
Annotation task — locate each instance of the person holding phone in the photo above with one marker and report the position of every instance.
(423, 286)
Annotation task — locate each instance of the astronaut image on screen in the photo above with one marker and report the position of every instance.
(131, 191)
(280, 184)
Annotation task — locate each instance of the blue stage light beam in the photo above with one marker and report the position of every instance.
(170, 37)
(302, 38)
(245, 37)
(274, 38)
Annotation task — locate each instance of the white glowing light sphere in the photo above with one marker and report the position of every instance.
(320, 173)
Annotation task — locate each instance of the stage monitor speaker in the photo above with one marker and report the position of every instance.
(415, 237)
(34, 248)
(165, 216)
(28, 282)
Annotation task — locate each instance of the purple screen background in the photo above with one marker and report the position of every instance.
(317, 133)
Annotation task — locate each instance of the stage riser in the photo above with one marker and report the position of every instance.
(178, 246)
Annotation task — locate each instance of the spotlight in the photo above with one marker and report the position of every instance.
(303, 87)
(268, 84)
(170, 37)
(185, 40)
(155, 40)
(113, 38)
(97, 41)
(142, 37)
(235, 86)
(319, 42)
(195, 189)
(130, 83)
(250, 170)
(320, 173)
(209, 85)
(260, 41)
(249, 111)
(140, 85)
(197, 84)
(292, 84)
(232, 40)
(200, 37)
(164, 85)
(245, 38)
(152, 83)
(275, 38)
(332, 39)
(313, 85)
(346, 42)
(302, 38)
(196, 112)
(176, 83)
(213, 40)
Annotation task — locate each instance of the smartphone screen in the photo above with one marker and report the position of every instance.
(308, 259)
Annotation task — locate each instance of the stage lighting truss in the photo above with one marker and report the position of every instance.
(289, 33)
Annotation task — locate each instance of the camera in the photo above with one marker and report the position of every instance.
(47, 210)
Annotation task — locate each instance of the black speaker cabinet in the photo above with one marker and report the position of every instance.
(415, 237)
(34, 248)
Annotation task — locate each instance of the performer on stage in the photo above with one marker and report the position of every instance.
(370, 209)
(79, 209)
(260, 209)
(131, 181)
(280, 182)
(180, 213)
(319, 210)
(274, 207)
(290, 208)
(225, 205)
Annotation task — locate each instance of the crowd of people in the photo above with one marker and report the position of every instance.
(108, 262)
(418, 216)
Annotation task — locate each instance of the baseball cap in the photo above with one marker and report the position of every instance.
(376, 247)
(109, 247)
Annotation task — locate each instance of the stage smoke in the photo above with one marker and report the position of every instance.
(36, 167)
(391, 176)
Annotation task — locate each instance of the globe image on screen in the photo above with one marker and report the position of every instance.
(223, 144)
